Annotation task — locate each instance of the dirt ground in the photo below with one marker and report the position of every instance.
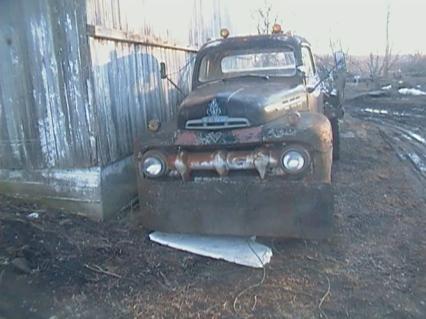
(374, 266)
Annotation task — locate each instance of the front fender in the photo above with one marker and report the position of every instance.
(313, 130)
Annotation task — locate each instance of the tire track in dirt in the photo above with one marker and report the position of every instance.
(407, 141)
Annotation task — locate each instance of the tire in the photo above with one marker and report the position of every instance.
(336, 138)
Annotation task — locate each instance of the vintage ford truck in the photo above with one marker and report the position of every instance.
(251, 148)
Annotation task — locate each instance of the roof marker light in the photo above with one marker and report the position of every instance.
(277, 28)
(224, 33)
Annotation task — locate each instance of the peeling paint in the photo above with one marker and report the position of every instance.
(72, 103)
(44, 99)
(77, 177)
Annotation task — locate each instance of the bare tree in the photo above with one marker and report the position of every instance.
(389, 60)
(388, 48)
(375, 67)
(266, 18)
(380, 67)
(414, 64)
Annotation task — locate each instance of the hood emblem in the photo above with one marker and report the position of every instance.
(213, 109)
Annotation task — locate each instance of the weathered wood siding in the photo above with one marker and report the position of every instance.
(70, 97)
(45, 107)
(79, 81)
(129, 92)
(181, 22)
(129, 39)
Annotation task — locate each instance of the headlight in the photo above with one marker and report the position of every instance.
(154, 125)
(295, 160)
(153, 166)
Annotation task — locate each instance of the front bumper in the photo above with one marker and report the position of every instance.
(224, 206)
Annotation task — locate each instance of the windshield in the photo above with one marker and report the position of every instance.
(276, 62)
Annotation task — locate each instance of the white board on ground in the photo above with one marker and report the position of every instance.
(240, 250)
(416, 92)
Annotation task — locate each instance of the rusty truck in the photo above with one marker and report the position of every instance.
(250, 150)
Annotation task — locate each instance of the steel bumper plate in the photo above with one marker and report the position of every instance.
(271, 208)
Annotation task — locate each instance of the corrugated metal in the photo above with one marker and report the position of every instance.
(74, 99)
(127, 85)
(45, 111)
(184, 22)
(129, 92)
(77, 89)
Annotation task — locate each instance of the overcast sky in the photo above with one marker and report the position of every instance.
(358, 24)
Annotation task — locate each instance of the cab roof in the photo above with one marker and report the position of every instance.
(243, 42)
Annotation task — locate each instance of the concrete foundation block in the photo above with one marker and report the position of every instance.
(96, 192)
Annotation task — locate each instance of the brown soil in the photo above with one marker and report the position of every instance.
(374, 266)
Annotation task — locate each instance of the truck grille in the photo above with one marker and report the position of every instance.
(217, 123)
(222, 162)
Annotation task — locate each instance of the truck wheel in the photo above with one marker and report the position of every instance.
(336, 138)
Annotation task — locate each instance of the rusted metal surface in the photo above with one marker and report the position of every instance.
(273, 207)
(234, 181)
(312, 129)
(268, 202)
(223, 161)
(243, 136)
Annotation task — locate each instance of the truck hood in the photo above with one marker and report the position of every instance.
(255, 99)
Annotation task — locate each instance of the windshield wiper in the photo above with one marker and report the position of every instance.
(262, 76)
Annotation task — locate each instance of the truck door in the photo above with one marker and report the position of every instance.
(315, 98)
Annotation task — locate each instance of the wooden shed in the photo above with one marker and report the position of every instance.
(79, 80)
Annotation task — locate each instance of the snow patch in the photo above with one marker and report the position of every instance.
(417, 137)
(415, 92)
(418, 162)
(375, 111)
(33, 216)
(347, 135)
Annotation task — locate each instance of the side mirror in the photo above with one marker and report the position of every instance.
(164, 76)
(311, 89)
(301, 70)
(163, 72)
